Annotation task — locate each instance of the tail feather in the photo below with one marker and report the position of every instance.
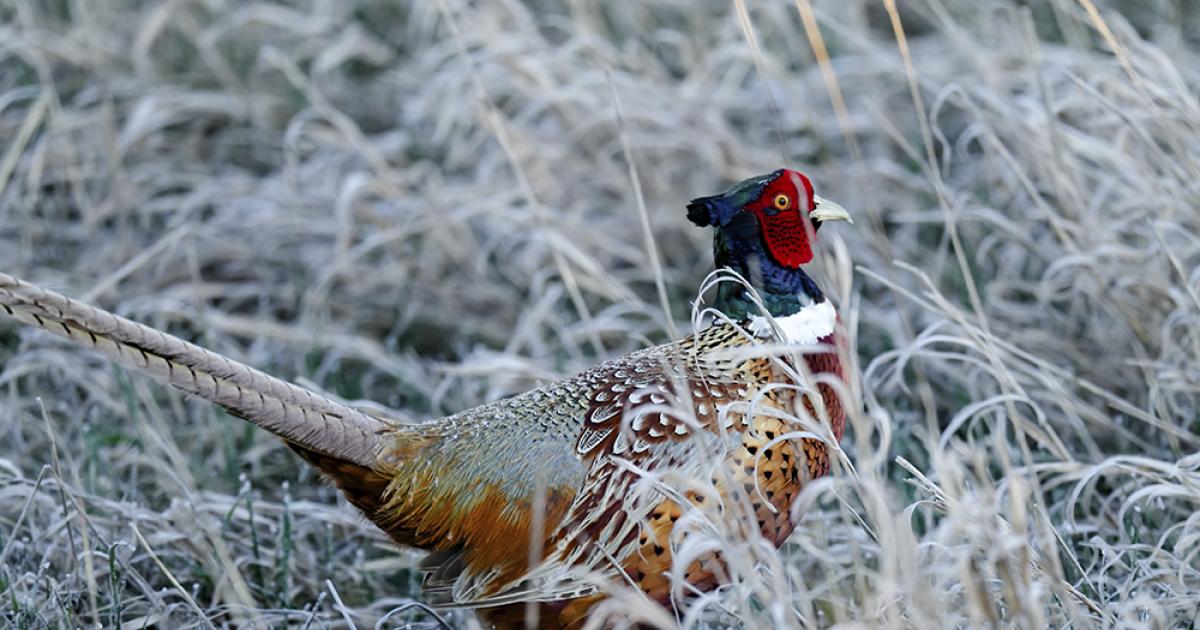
(294, 413)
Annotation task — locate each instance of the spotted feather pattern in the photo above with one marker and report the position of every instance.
(649, 399)
(711, 407)
(668, 409)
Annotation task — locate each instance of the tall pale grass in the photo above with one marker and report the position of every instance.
(430, 205)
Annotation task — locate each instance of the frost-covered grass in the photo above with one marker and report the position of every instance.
(431, 205)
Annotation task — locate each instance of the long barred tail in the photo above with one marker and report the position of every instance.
(306, 420)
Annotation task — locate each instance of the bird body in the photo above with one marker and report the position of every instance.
(549, 495)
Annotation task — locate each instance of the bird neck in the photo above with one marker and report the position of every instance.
(783, 290)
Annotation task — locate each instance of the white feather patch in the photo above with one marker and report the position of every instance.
(804, 327)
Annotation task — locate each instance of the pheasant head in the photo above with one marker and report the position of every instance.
(766, 227)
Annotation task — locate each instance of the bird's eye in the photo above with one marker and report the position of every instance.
(782, 202)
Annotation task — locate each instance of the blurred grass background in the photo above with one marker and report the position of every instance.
(430, 205)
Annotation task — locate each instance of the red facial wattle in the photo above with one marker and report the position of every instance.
(786, 236)
(786, 232)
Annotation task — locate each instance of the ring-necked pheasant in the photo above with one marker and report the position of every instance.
(545, 495)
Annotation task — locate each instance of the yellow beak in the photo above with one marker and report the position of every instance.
(829, 211)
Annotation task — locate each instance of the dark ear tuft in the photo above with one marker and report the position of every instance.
(698, 212)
